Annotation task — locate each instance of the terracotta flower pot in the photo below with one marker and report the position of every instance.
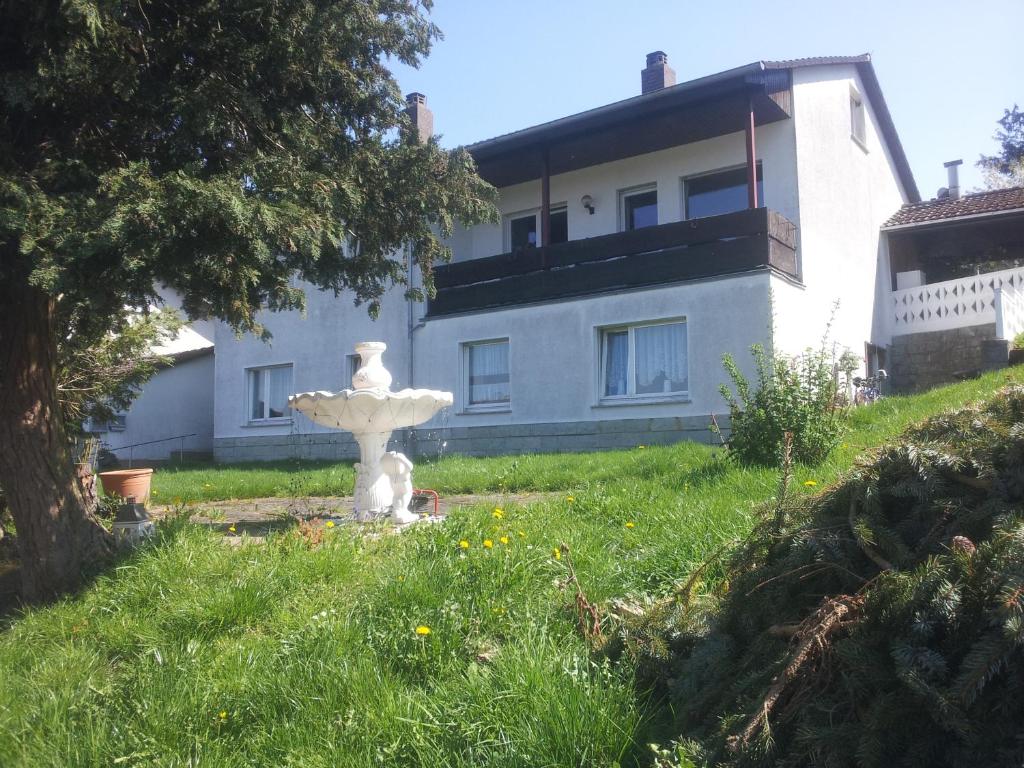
(127, 482)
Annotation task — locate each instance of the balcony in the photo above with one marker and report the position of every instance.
(669, 253)
(982, 299)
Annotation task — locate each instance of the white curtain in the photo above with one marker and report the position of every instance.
(488, 373)
(278, 388)
(255, 395)
(616, 362)
(661, 358)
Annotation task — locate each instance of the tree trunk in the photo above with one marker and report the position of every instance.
(59, 538)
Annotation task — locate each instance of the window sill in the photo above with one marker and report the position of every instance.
(471, 410)
(859, 142)
(267, 423)
(618, 402)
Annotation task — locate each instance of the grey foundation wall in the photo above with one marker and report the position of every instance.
(919, 361)
(560, 437)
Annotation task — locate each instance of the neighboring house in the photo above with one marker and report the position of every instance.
(638, 243)
(955, 297)
(172, 418)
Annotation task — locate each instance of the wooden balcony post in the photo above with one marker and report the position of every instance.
(751, 156)
(545, 199)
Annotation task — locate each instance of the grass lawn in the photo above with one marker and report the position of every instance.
(193, 653)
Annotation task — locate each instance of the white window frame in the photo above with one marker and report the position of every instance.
(858, 119)
(507, 235)
(631, 397)
(464, 374)
(247, 400)
(535, 212)
(353, 363)
(630, 192)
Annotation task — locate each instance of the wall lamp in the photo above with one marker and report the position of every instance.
(588, 203)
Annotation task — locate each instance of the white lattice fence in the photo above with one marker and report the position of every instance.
(951, 304)
(1009, 312)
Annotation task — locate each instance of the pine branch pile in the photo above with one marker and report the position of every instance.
(879, 623)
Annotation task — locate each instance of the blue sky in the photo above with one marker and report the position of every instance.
(948, 68)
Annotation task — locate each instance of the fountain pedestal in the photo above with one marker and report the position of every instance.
(371, 412)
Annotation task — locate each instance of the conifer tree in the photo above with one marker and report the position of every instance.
(219, 147)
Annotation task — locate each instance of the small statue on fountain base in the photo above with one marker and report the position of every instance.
(399, 470)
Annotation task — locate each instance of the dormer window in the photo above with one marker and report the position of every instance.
(858, 121)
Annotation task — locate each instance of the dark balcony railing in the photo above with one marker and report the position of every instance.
(668, 253)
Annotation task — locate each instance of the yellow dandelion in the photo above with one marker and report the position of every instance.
(556, 553)
(503, 539)
(223, 715)
(498, 513)
(464, 544)
(630, 524)
(810, 483)
(329, 524)
(422, 630)
(570, 499)
(488, 543)
(401, 578)
(231, 528)
(641, 447)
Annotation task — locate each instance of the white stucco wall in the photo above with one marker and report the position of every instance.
(845, 193)
(316, 345)
(814, 174)
(176, 401)
(666, 168)
(554, 354)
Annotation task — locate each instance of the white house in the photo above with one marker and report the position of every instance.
(639, 242)
(172, 418)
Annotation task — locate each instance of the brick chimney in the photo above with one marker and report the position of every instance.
(658, 74)
(420, 114)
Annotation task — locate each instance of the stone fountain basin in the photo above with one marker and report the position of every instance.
(371, 410)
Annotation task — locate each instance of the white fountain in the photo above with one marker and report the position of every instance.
(371, 412)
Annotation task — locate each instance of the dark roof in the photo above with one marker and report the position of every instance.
(586, 122)
(997, 201)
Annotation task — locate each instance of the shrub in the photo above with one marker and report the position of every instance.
(1018, 341)
(793, 394)
(876, 624)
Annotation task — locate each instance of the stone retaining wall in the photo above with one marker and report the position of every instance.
(919, 361)
(479, 441)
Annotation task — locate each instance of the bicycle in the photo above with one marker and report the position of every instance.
(868, 389)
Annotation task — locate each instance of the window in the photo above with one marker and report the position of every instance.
(639, 208)
(117, 423)
(644, 361)
(858, 126)
(524, 231)
(487, 374)
(353, 364)
(559, 226)
(268, 390)
(713, 194)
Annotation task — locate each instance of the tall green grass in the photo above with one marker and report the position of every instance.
(191, 652)
(541, 472)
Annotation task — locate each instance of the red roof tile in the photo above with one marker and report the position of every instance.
(995, 201)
